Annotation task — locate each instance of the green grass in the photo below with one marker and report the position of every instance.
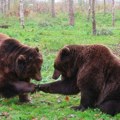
(51, 34)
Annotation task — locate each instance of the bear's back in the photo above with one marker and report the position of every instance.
(3, 36)
(9, 45)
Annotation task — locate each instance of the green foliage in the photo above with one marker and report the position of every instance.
(104, 32)
(51, 34)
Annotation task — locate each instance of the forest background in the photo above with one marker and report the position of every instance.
(50, 25)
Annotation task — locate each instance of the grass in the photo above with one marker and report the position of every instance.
(51, 34)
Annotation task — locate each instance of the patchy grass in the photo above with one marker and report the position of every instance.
(50, 35)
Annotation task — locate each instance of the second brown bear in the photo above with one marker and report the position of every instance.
(92, 70)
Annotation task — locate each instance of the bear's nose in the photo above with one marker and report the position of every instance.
(54, 77)
(38, 77)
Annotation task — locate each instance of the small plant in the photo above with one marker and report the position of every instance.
(45, 24)
(104, 31)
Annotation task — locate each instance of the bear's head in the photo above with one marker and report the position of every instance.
(28, 65)
(64, 64)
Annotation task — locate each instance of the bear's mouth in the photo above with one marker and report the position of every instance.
(37, 77)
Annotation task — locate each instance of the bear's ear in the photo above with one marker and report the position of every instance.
(20, 64)
(37, 49)
(65, 52)
(21, 59)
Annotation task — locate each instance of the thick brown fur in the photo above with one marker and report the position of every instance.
(3, 36)
(18, 64)
(92, 70)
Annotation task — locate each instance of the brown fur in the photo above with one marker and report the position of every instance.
(92, 70)
(3, 36)
(18, 64)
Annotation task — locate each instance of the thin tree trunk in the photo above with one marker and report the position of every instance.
(22, 13)
(89, 10)
(93, 18)
(113, 13)
(80, 2)
(104, 7)
(65, 5)
(53, 8)
(5, 6)
(2, 6)
(9, 4)
(71, 13)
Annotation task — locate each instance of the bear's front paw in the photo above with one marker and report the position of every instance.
(34, 89)
(80, 108)
(31, 88)
(38, 88)
(25, 100)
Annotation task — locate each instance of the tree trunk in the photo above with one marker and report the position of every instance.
(22, 13)
(2, 6)
(8, 4)
(113, 13)
(71, 13)
(89, 10)
(65, 5)
(5, 6)
(80, 2)
(53, 8)
(93, 18)
(104, 7)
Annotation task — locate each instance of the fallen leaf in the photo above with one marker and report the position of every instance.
(72, 116)
(67, 98)
(96, 115)
(46, 102)
(64, 118)
(43, 118)
(10, 108)
(59, 101)
(6, 114)
(34, 119)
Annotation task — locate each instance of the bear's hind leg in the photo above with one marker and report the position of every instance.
(88, 99)
(110, 107)
(24, 98)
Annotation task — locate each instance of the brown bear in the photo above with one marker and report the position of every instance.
(92, 70)
(18, 64)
